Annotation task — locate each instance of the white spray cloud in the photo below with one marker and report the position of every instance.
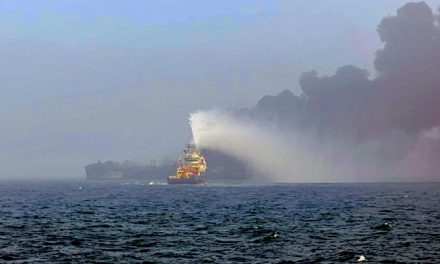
(263, 148)
(293, 156)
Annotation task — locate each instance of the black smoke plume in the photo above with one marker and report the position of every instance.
(403, 100)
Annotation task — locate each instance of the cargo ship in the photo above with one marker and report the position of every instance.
(114, 170)
(191, 167)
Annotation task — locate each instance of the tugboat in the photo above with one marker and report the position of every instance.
(191, 167)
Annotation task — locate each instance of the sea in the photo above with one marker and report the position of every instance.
(143, 222)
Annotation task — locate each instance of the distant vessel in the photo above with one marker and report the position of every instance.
(191, 167)
(112, 170)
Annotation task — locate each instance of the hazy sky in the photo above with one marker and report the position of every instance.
(88, 80)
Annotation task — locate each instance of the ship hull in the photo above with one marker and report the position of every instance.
(192, 180)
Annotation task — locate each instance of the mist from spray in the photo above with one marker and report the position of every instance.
(262, 147)
(256, 147)
(274, 155)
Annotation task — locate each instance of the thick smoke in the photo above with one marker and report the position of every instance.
(384, 128)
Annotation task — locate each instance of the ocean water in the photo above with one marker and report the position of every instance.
(117, 222)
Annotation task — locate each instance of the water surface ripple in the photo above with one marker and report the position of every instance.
(116, 222)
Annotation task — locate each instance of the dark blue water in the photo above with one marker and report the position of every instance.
(90, 222)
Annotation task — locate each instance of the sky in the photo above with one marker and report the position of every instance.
(89, 80)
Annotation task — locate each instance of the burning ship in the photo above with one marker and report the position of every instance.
(191, 167)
